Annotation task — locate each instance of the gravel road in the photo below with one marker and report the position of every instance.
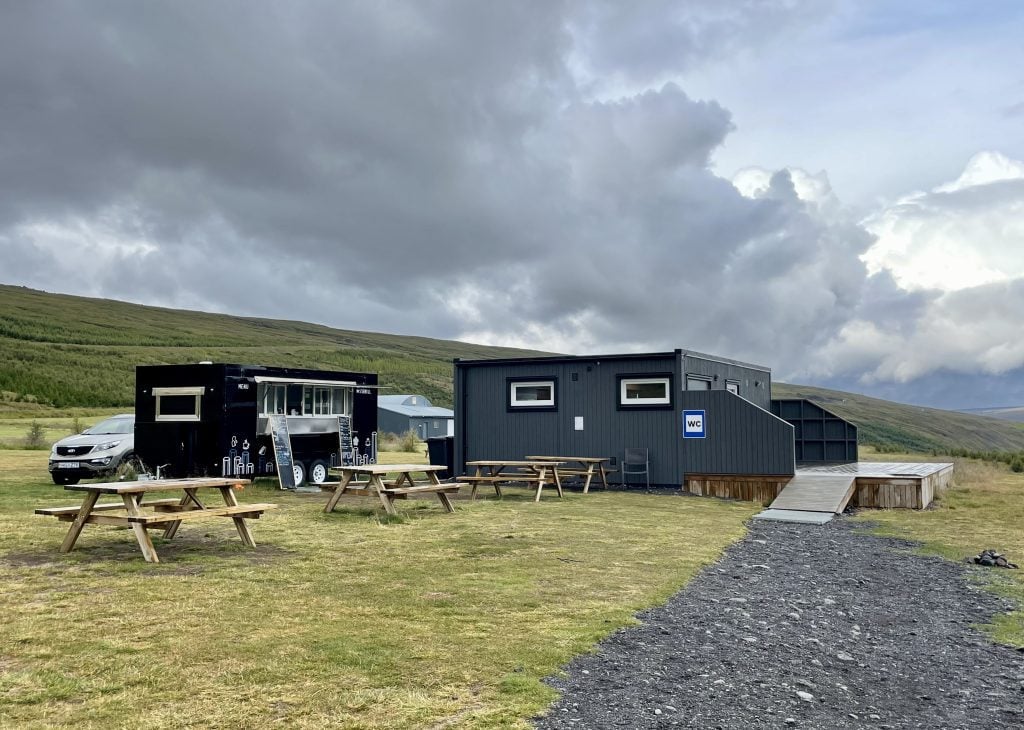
(809, 627)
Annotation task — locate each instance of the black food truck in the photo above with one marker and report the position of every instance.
(211, 419)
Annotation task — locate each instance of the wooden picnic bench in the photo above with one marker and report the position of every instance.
(580, 466)
(497, 472)
(402, 487)
(138, 514)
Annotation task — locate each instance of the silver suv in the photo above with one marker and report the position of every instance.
(97, 451)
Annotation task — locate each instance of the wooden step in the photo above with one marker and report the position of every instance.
(58, 511)
(816, 493)
(242, 510)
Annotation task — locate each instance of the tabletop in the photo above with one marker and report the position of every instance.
(391, 468)
(581, 459)
(159, 485)
(502, 462)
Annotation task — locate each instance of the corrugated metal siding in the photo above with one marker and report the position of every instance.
(486, 430)
(741, 438)
(760, 395)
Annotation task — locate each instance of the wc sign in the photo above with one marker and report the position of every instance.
(694, 425)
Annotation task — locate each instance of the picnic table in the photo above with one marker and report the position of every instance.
(139, 514)
(402, 487)
(529, 471)
(580, 466)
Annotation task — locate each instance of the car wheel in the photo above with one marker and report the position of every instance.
(62, 479)
(299, 470)
(318, 472)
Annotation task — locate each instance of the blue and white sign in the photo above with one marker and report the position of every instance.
(694, 425)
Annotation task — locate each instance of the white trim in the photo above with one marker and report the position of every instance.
(735, 384)
(662, 401)
(516, 403)
(310, 381)
(697, 378)
(198, 390)
(195, 391)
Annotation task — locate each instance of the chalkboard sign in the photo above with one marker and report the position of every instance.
(282, 450)
(345, 440)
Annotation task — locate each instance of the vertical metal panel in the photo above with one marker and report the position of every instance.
(486, 429)
(741, 437)
(755, 384)
(821, 436)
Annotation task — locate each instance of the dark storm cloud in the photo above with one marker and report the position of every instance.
(434, 168)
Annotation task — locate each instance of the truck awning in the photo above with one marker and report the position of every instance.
(309, 381)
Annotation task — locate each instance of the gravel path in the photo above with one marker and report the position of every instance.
(805, 626)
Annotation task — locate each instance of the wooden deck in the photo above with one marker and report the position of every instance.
(879, 484)
(816, 493)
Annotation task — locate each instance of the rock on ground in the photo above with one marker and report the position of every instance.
(805, 626)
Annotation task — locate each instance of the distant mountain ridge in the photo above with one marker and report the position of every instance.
(1008, 413)
(58, 350)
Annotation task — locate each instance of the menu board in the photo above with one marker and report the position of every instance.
(345, 440)
(282, 450)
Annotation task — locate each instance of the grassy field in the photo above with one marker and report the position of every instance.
(59, 352)
(985, 509)
(347, 620)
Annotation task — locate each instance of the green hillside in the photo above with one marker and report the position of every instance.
(61, 351)
(891, 425)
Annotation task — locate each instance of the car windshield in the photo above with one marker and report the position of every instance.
(112, 425)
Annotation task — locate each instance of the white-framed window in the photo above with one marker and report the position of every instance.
(532, 394)
(733, 386)
(696, 382)
(644, 392)
(179, 404)
(275, 399)
(321, 400)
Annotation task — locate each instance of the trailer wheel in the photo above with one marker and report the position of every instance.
(299, 470)
(318, 472)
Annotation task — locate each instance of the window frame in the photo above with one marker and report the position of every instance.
(196, 391)
(735, 390)
(514, 406)
(701, 378)
(650, 404)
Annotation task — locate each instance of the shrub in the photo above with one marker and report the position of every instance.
(1017, 464)
(76, 426)
(35, 437)
(408, 441)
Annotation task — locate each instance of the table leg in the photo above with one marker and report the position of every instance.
(496, 473)
(541, 475)
(378, 486)
(240, 524)
(145, 544)
(346, 477)
(558, 480)
(590, 475)
(190, 496)
(604, 476)
(76, 527)
(445, 502)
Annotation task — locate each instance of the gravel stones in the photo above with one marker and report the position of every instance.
(871, 640)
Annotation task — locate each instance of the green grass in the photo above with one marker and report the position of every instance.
(985, 509)
(59, 351)
(344, 620)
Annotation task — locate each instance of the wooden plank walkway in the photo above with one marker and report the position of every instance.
(816, 493)
(879, 469)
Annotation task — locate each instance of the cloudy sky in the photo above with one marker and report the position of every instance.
(831, 188)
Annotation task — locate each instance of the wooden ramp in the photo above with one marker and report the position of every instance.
(816, 493)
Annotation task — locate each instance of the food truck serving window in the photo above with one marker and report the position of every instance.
(178, 404)
(296, 399)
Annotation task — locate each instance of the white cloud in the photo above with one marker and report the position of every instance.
(961, 234)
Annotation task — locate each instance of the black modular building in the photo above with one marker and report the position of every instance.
(696, 414)
(211, 419)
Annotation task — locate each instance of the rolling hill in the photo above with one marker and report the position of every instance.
(911, 428)
(60, 351)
